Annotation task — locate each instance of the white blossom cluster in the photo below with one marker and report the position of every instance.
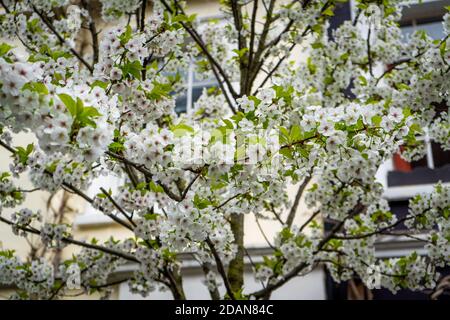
(10, 195)
(440, 130)
(34, 280)
(115, 9)
(53, 235)
(24, 218)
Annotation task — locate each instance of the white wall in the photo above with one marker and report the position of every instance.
(309, 287)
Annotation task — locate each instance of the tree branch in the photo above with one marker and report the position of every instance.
(213, 292)
(62, 40)
(196, 37)
(311, 218)
(75, 190)
(298, 196)
(118, 207)
(273, 286)
(92, 30)
(369, 54)
(220, 268)
(117, 253)
(143, 9)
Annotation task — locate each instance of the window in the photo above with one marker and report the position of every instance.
(401, 179)
(435, 165)
(434, 158)
(193, 90)
(425, 15)
(194, 84)
(433, 28)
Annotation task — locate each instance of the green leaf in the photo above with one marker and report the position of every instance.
(4, 48)
(90, 112)
(446, 213)
(200, 203)
(317, 45)
(286, 234)
(406, 112)
(155, 187)
(133, 68)
(238, 117)
(415, 127)
(287, 152)
(160, 90)
(181, 129)
(52, 167)
(180, 18)
(116, 147)
(240, 53)
(283, 92)
(228, 123)
(70, 104)
(150, 216)
(7, 253)
(35, 87)
(328, 12)
(317, 28)
(344, 56)
(303, 152)
(218, 185)
(442, 48)
(328, 80)
(4, 176)
(284, 132)
(403, 86)
(98, 83)
(126, 36)
(295, 133)
(376, 120)
(23, 153)
(192, 17)
(363, 81)
(311, 66)
(86, 115)
(79, 106)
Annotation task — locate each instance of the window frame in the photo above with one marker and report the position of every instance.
(191, 84)
(415, 12)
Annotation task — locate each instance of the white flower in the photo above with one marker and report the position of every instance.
(246, 104)
(326, 128)
(59, 135)
(336, 140)
(395, 114)
(246, 125)
(115, 73)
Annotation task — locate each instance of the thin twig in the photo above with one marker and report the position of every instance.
(114, 202)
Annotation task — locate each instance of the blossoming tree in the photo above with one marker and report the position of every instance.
(325, 119)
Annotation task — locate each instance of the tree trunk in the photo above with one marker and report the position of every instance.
(176, 283)
(236, 267)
